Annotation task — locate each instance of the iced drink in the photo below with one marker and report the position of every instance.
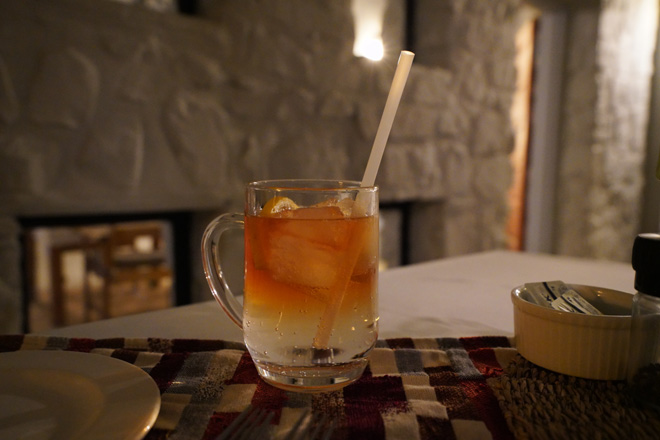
(309, 313)
(311, 279)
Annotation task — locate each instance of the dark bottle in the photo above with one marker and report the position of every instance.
(644, 357)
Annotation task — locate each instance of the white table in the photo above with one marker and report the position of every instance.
(453, 297)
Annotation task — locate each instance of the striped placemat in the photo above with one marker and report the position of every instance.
(412, 388)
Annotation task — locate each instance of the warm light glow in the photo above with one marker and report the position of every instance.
(371, 49)
(368, 21)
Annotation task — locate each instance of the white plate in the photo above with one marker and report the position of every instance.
(69, 395)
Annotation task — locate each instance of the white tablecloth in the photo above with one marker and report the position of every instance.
(453, 297)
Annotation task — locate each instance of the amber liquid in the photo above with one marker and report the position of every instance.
(310, 287)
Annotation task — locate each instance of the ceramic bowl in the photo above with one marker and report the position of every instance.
(588, 346)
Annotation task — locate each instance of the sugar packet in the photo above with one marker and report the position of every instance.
(557, 295)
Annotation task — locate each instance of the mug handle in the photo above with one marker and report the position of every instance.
(213, 269)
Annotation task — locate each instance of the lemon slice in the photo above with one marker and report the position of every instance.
(277, 205)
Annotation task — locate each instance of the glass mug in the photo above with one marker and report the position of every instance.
(310, 307)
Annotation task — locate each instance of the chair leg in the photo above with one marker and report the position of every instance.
(57, 281)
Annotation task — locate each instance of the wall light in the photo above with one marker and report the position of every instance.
(368, 21)
(371, 49)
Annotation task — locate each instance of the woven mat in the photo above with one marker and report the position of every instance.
(466, 388)
(540, 404)
(412, 388)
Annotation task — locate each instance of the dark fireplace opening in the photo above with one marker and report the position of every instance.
(83, 268)
(395, 233)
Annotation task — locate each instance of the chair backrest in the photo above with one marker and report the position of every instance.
(139, 237)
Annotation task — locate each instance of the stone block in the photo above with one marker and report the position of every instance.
(415, 122)
(117, 144)
(430, 86)
(493, 134)
(471, 78)
(456, 120)
(66, 89)
(462, 228)
(411, 172)
(139, 78)
(457, 165)
(493, 216)
(319, 151)
(22, 167)
(336, 104)
(9, 105)
(502, 72)
(369, 112)
(197, 127)
(492, 178)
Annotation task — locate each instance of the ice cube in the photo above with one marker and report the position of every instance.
(304, 263)
(318, 213)
(308, 248)
(324, 226)
(345, 205)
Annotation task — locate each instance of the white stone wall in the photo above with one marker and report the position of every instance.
(110, 108)
(118, 109)
(471, 46)
(605, 114)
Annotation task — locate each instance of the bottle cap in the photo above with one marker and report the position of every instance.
(646, 262)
